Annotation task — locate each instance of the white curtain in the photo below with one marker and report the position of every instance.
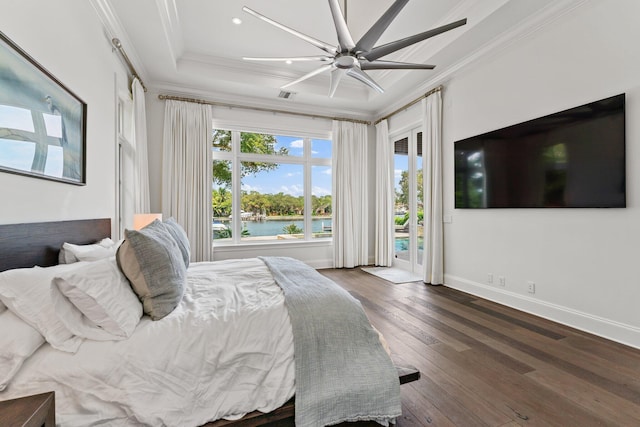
(384, 196)
(432, 261)
(141, 169)
(350, 201)
(187, 174)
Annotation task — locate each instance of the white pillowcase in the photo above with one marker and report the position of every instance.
(94, 300)
(18, 341)
(70, 253)
(26, 292)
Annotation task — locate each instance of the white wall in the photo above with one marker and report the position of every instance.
(583, 261)
(66, 38)
(317, 254)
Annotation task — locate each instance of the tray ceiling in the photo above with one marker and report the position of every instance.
(192, 47)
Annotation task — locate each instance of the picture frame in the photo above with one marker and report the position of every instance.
(42, 122)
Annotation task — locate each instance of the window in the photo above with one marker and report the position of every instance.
(270, 187)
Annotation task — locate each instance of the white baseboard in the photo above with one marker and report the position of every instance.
(320, 264)
(606, 328)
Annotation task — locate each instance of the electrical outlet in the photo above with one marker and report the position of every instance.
(490, 278)
(502, 281)
(531, 287)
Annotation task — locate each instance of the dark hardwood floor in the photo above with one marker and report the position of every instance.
(484, 364)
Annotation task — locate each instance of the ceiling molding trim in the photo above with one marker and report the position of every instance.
(427, 48)
(495, 47)
(197, 92)
(114, 29)
(235, 66)
(273, 77)
(168, 12)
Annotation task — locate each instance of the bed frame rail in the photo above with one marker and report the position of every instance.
(285, 415)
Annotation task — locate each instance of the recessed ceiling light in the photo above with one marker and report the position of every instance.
(289, 62)
(236, 21)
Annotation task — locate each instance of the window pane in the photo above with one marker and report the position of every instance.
(321, 148)
(221, 200)
(293, 145)
(221, 140)
(272, 201)
(321, 201)
(401, 185)
(262, 143)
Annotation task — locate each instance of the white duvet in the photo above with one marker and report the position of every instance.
(225, 351)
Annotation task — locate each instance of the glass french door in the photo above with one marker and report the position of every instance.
(409, 210)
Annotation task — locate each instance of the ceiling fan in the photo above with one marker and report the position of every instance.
(350, 58)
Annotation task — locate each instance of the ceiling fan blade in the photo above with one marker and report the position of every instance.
(336, 76)
(292, 58)
(344, 36)
(358, 74)
(317, 43)
(371, 37)
(308, 75)
(392, 65)
(380, 51)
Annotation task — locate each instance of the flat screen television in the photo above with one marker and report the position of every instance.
(571, 159)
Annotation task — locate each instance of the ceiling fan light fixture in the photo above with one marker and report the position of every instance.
(352, 58)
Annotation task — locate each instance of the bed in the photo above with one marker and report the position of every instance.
(224, 355)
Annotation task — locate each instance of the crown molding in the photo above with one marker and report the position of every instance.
(272, 77)
(167, 88)
(427, 48)
(114, 29)
(172, 28)
(497, 46)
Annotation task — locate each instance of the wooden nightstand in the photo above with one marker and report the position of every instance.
(38, 410)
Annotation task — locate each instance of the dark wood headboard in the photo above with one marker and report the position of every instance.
(38, 243)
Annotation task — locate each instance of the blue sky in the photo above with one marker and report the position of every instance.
(289, 178)
(401, 163)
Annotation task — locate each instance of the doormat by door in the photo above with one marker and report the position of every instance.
(393, 274)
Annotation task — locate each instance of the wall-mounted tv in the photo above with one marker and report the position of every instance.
(571, 159)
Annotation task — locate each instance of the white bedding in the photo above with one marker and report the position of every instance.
(225, 351)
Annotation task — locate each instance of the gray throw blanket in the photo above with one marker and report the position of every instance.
(342, 371)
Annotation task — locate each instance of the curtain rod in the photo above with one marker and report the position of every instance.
(404, 107)
(118, 45)
(268, 110)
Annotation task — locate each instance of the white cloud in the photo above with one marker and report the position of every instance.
(314, 152)
(319, 191)
(298, 143)
(397, 173)
(294, 190)
(249, 188)
(290, 174)
(327, 171)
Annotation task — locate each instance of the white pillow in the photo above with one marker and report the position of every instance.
(18, 341)
(26, 292)
(94, 300)
(70, 253)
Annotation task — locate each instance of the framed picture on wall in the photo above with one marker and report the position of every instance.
(42, 123)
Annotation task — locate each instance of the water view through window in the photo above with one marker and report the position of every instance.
(283, 183)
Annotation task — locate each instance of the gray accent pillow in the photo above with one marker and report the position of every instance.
(180, 236)
(152, 261)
